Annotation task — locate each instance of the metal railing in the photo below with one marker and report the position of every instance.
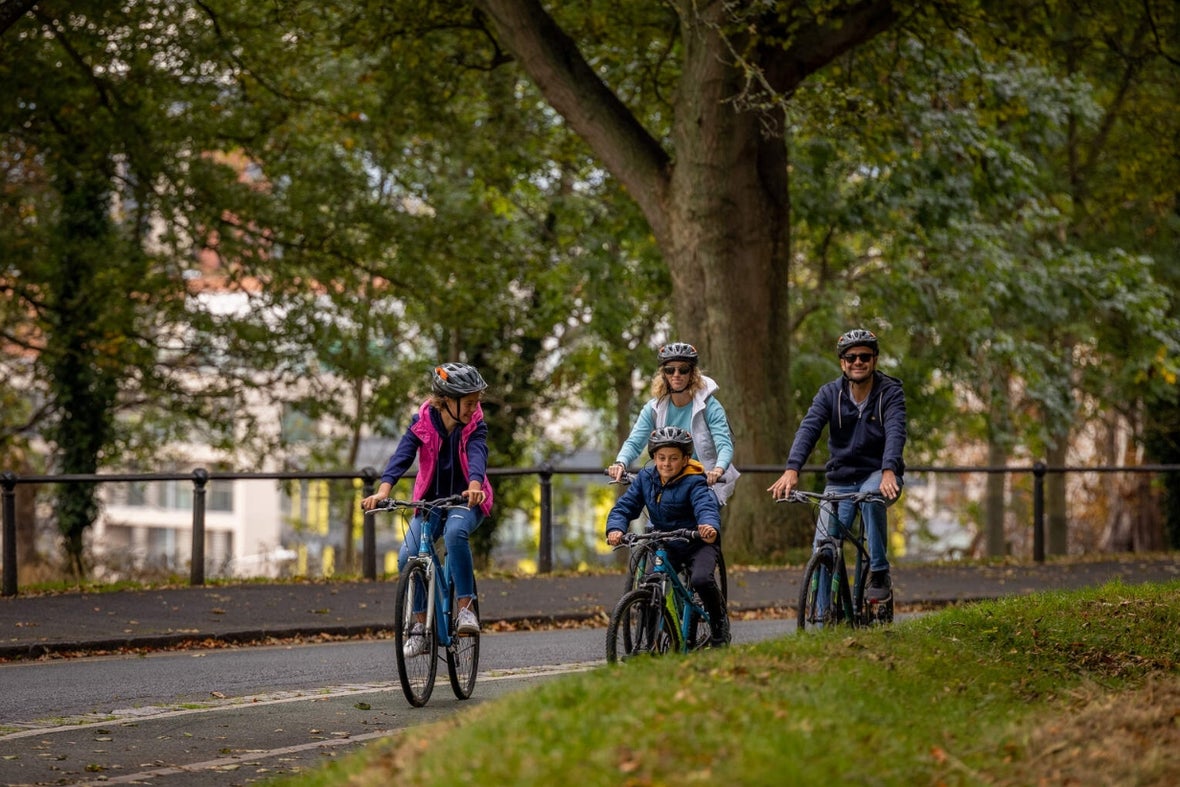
(368, 476)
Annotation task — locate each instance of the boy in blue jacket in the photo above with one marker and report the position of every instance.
(676, 494)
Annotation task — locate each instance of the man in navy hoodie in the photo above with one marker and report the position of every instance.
(864, 411)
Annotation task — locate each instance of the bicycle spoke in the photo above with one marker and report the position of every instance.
(463, 654)
(417, 660)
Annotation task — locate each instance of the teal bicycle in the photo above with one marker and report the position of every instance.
(643, 553)
(427, 610)
(661, 614)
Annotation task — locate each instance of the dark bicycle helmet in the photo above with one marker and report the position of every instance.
(456, 380)
(677, 351)
(667, 436)
(857, 337)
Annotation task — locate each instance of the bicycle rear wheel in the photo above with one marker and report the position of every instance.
(640, 624)
(463, 654)
(415, 670)
(816, 607)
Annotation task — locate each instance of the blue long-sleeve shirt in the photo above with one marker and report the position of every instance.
(859, 445)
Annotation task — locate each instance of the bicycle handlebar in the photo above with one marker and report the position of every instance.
(392, 504)
(626, 478)
(800, 496)
(682, 534)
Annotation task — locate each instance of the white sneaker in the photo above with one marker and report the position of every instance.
(416, 645)
(468, 623)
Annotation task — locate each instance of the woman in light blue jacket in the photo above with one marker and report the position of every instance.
(685, 398)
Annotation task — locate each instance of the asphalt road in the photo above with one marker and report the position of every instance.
(216, 718)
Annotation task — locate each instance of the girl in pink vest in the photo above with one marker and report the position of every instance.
(448, 437)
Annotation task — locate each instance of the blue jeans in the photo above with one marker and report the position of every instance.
(456, 535)
(875, 519)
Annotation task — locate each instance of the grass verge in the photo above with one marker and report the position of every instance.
(1057, 688)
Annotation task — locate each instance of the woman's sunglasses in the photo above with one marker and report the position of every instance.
(671, 370)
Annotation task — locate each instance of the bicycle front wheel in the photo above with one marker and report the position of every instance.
(463, 654)
(816, 606)
(640, 624)
(637, 567)
(415, 643)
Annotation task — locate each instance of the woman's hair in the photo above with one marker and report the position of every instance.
(659, 383)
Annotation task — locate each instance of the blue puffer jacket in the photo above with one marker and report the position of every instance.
(685, 501)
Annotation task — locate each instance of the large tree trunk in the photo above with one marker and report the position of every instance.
(1056, 501)
(718, 208)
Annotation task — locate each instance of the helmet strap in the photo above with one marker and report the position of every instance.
(454, 415)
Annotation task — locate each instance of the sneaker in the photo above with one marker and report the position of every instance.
(416, 645)
(880, 587)
(721, 636)
(468, 623)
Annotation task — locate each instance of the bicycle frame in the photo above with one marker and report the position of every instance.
(669, 592)
(677, 598)
(836, 597)
(438, 578)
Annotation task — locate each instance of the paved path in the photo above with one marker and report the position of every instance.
(69, 622)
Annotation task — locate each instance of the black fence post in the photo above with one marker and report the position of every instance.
(1039, 512)
(8, 479)
(369, 528)
(197, 570)
(545, 548)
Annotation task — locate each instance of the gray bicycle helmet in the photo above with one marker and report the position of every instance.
(857, 337)
(677, 351)
(456, 380)
(668, 436)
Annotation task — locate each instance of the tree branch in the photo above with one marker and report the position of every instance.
(571, 86)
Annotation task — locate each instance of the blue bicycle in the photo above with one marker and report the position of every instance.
(661, 614)
(425, 618)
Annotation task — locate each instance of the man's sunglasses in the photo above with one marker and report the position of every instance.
(671, 370)
(862, 357)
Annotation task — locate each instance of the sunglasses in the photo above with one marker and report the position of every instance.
(671, 370)
(862, 357)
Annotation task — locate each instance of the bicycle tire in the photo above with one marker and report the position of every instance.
(463, 654)
(700, 629)
(808, 613)
(416, 673)
(867, 615)
(639, 625)
(637, 567)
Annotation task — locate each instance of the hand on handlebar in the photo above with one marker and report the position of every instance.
(782, 488)
(370, 502)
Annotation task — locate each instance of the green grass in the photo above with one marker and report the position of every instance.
(954, 697)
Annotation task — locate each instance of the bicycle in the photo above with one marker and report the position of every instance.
(640, 558)
(826, 574)
(661, 614)
(426, 574)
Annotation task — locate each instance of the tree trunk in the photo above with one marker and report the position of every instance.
(1056, 502)
(718, 209)
(995, 506)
